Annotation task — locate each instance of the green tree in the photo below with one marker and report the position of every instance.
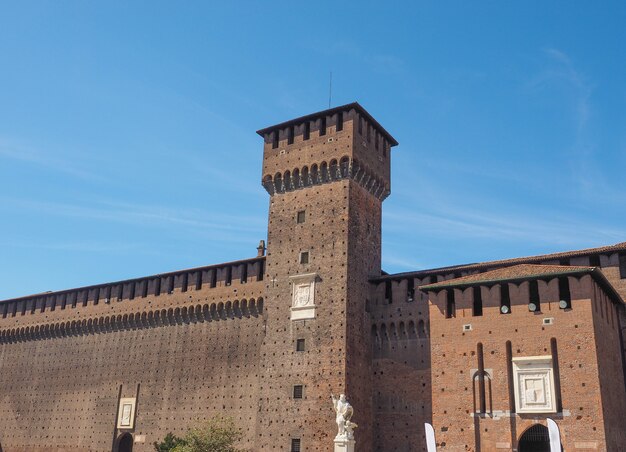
(218, 434)
(169, 443)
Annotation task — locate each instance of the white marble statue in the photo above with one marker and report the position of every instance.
(344, 412)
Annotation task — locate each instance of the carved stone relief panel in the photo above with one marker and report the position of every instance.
(534, 384)
(303, 296)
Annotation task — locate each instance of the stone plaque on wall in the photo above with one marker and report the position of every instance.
(126, 413)
(303, 296)
(534, 384)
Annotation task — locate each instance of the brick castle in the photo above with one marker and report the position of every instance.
(486, 353)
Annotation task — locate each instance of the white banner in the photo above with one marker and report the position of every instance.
(431, 446)
(555, 436)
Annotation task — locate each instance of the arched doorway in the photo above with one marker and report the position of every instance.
(535, 439)
(125, 443)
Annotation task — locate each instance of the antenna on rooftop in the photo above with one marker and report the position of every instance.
(330, 88)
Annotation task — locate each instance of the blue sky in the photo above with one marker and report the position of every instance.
(128, 145)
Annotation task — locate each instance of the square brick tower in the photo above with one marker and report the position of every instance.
(327, 174)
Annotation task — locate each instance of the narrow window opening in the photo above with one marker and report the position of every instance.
(339, 121)
(170, 287)
(5, 310)
(450, 304)
(213, 278)
(307, 131)
(157, 287)
(323, 126)
(275, 139)
(299, 345)
(185, 283)
(75, 298)
(534, 302)
(96, 296)
(298, 391)
(260, 270)
(410, 290)
(144, 289)
(388, 293)
(199, 280)
(565, 298)
(594, 261)
(564, 262)
(295, 445)
(229, 276)
(622, 265)
(244, 274)
(481, 379)
(304, 257)
(557, 375)
(510, 377)
(478, 302)
(130, 296)
(290, 135)
(505, 299)
(120, 295)
(360, 125)
(24, 307)
(301, 217)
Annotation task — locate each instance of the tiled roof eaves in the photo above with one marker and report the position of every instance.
(461, 282)
(502, 263)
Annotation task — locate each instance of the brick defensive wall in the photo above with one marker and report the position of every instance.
(185, 344)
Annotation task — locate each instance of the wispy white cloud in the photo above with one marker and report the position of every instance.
(566, 71)
(80, 246)
(11, 150)
(459, 222)
(561, 73)
(400, 262)
(142, 215)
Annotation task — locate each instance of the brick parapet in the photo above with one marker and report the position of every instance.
(216, 282)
